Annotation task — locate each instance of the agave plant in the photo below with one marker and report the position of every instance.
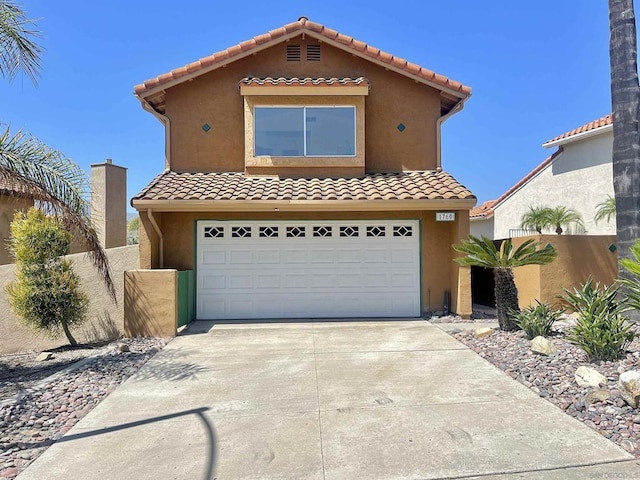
(483, 253)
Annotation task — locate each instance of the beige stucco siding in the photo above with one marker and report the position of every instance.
(8, 207)
(438, 271)
(214, 98)
(580, 178)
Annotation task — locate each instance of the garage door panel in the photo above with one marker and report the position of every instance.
(240, 257)
(307, 269)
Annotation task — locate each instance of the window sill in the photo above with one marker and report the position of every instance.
(278, 162)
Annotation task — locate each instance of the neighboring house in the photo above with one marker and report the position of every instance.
(578, 175)
(303, 178)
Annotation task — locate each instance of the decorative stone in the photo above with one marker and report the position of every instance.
(44, 356)
(123, 347)
(629, 384)
(588, 377)
(597, 396)
(543, 346)
(484, 332)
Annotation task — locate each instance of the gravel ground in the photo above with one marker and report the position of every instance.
(38, 405)
(553, 379)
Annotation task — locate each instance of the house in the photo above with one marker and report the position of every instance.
(578, 175)
(303, 179)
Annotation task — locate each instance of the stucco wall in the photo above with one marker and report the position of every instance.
(481, 228)
(439, 272)
(8, 207)
(579, 256)
(151, 303)
(214, 98)
(580, 178)
(106, 318)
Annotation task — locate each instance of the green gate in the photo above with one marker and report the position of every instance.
(186, 299)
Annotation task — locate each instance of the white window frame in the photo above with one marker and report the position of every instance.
(304, 130)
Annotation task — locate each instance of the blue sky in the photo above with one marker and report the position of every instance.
(537, 69)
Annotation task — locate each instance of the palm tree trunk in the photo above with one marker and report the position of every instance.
(625, 100)
(506, 297)
(67, 332)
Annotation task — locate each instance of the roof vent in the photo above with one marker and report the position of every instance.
(313, 52)
(293, 53)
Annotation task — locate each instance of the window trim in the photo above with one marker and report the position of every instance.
(304, 107)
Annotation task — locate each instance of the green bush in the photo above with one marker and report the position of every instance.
(537, 319)
(45, 293)
(602, 330)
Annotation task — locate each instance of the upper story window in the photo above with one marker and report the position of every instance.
(310, 131)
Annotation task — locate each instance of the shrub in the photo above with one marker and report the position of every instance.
(537, 319)
(45, 293)
(602, 330)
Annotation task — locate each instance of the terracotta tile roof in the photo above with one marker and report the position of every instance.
(423, 185)
(600, 122)
(305, 82)
(489, 210)
(316, 30)
(484, 210)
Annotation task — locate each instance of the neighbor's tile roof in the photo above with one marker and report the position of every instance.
(600, 122)
(314, 29)
(488, 210)
(423, 185)
(305, 82)
(483, 210)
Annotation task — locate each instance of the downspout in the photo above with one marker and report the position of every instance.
(459, 106)
(160, 238)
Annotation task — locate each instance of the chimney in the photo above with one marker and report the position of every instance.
(109, 203)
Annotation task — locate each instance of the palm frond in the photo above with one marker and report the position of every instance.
(30, 168)
(19, 50)
(605, 209)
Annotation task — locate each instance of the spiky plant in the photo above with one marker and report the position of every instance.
(19, 50)
(483, 253)
(536, 218)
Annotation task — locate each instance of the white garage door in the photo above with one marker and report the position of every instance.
(304, 269)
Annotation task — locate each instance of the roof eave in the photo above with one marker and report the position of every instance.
(302, 205)
(578, 136)
(263, 46)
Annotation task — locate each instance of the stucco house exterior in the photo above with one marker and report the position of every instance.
(577, 175)
(303, 179)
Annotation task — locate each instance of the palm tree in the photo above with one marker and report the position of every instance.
(625, 101)
(483, 253)
(30, 168)
(562, 216)
(605, 209)
(535, 219)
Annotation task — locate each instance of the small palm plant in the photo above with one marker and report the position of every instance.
(606, 209)
(483, 253)
(559, 217)
(535, 219)
(631, 285)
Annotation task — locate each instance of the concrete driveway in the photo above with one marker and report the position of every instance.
(326, 400)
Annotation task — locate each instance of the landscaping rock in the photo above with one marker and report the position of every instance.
(44, 356)
(123, 347)
(629, 384)
(543, 346)
(483, 332)
(588, 377)
(597, 396)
